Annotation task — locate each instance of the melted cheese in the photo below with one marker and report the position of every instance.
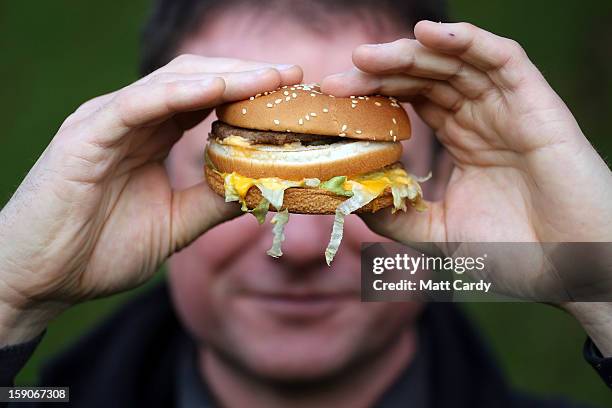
(377, 181)
(234, 140)
(374, 182)
(240, 183)
(365, 188)
(244, 146)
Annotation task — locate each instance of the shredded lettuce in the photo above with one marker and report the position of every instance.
(261, 210)
(336, 186)
(400, 192)
(312, 182)
(360, 191)
(421, 179)
(273, 189)
(361, 197)
(412, 192)
(279, 220)
(209, 162)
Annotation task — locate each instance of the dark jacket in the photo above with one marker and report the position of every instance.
(129, 361)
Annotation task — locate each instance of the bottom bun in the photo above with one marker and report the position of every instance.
(300, 200)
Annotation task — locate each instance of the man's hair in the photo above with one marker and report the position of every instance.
(170, 21)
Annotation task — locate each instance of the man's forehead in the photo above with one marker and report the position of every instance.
(322, 47)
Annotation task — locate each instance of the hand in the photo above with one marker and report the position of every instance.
(96, 214)
(523, 170)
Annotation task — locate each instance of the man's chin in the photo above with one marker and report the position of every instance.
(301, 362)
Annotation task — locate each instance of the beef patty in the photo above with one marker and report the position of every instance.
(221, 130)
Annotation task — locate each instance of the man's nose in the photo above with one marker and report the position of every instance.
(306, 238)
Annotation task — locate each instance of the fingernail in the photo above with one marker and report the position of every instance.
(338, 74)
(284, 67)
(373, 45)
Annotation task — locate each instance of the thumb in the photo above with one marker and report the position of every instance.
(195, 210)
(411, 227)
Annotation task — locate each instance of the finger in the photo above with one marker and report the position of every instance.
(501, 58)
(410, 57)
(288, 75)
(87, 108)
(145, 105)
(432, 114)
(238, 85)
(356, 82)
(411, 226)
(192, 64)
(196, 210)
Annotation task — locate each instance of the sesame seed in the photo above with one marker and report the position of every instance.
(353, 106)
(279, 100)
(307, 117)
(344, 127)
(288, 98)
(276, 122)
(358, 131)
(391, 133)
(251, 98)
(257, 96)
(292, 88)
(301, 121)
(312, 94)
(313, 114)
(352, 96)
(394, 138)
(269, 105)
(244, 111)
(377, 103)
(286, 93)
(342, 134)
(394, 121)
(325, 110)
(288, 130)
(294, 95)
(331, 96)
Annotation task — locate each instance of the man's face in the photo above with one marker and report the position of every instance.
(292, 317)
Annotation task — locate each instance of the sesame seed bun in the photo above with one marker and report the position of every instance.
(346, 158)
(302, 200)
(304, 109)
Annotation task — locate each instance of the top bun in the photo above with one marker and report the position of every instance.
(304, 109)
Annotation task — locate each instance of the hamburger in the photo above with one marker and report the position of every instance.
(297, 150)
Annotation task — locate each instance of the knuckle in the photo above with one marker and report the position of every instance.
(160, 77)
(172, 92)
(183, 60)
(123, 104)
(513, 44)
(469, 27)
(404, 44)
(515, 50)
(406, 50)
(86, 105)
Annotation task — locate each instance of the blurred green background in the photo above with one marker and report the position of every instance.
(55, 55)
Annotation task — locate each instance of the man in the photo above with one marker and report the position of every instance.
(99, 212)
